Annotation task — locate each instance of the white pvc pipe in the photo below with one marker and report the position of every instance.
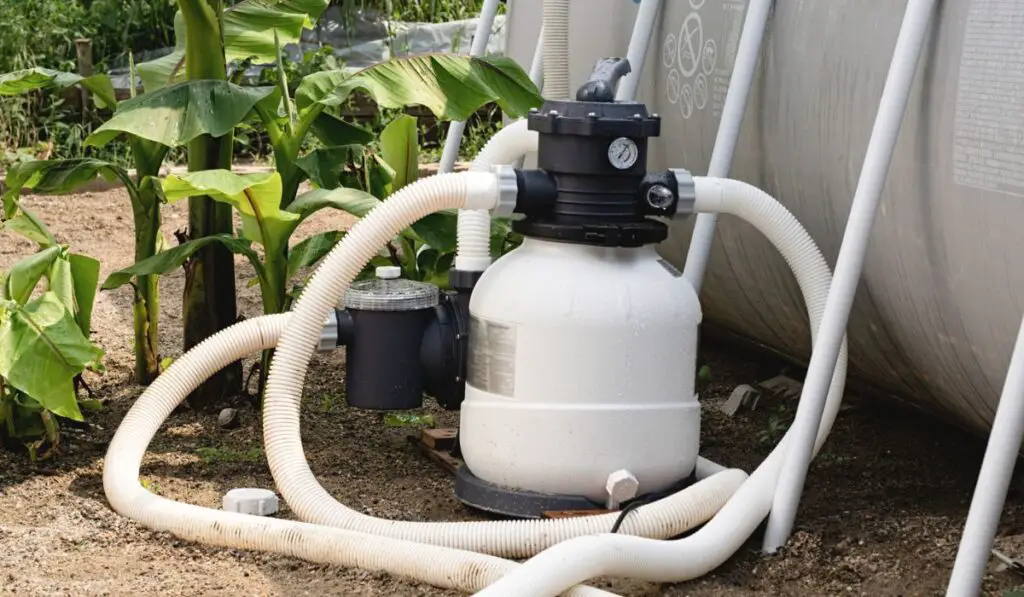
(537, 66)
(643, 30)
(993, 481)
(556, 49)
(474, 225)
(570, 562)
(728, 133)
(480, 39)
(895, 95)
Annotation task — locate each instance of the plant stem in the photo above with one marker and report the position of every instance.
(209, 299)
(274, 290)
(146, 311)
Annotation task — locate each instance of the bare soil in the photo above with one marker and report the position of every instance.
(881, 514)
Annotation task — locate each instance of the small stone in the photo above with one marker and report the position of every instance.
(229, 418)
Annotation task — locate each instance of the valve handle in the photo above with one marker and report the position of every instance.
(600, 87)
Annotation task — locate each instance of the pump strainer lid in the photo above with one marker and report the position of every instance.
(391, 295)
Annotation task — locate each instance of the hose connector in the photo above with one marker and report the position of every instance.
(508, 192)
(686, 189)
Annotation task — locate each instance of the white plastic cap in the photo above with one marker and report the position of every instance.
(389, 272)
(621, 486)
(251, 500)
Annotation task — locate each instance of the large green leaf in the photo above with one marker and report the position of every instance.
(452, 86)
(312, 250)
(171, 259)
(399, 144)
(26, 273)
(175, 115)
(379, 175)
(257, 197)
(42, 349)
(32, 79)
(334, 132)
(31, 227)
(249, 30)
(353, 201)
(85, 275)
(57, 177)
(326, 166)
(439, 230)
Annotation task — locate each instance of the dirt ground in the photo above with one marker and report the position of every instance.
(881, 515)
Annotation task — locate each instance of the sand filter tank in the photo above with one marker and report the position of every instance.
(942, 291)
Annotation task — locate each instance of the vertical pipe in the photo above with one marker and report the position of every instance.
(895, 96)
(479, 47)
(536, 75)
(993, 481)
(643, 30)
(728, 133)
(556, 49)
(537, 66)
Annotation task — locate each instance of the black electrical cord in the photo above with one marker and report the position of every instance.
(626, 510)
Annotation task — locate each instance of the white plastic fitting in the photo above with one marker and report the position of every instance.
(474, 225)
(388, 272)
(250, 500)
(621, 486)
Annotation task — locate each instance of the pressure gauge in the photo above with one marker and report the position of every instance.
(623, 153)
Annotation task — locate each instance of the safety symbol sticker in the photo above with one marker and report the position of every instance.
(698, 77)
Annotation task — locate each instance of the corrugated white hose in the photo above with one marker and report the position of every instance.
(474, 225)
(439, 566)
(281, 426)
(556, 49)
(571, 562)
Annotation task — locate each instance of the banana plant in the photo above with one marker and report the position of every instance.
(209, 35)
(182, 114)
(171, 112)
(65, 176)
(258, 200)
(44, 339)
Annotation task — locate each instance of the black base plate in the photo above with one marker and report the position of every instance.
(496, 499)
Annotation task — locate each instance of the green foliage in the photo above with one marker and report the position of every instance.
(453, 87)
(778, 423)
(175, 257)
(42, 33)
(217, 455)
(425, 251)
(64, 176)
(46, 302)
(173, 116)
(257, 197)
(252, 30)
(427, 11)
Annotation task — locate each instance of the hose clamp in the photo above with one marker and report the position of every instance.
(508, 191)
(687, 190)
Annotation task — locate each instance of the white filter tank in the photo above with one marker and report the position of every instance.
(582, 363)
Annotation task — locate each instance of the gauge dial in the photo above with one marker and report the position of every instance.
(623, 153)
